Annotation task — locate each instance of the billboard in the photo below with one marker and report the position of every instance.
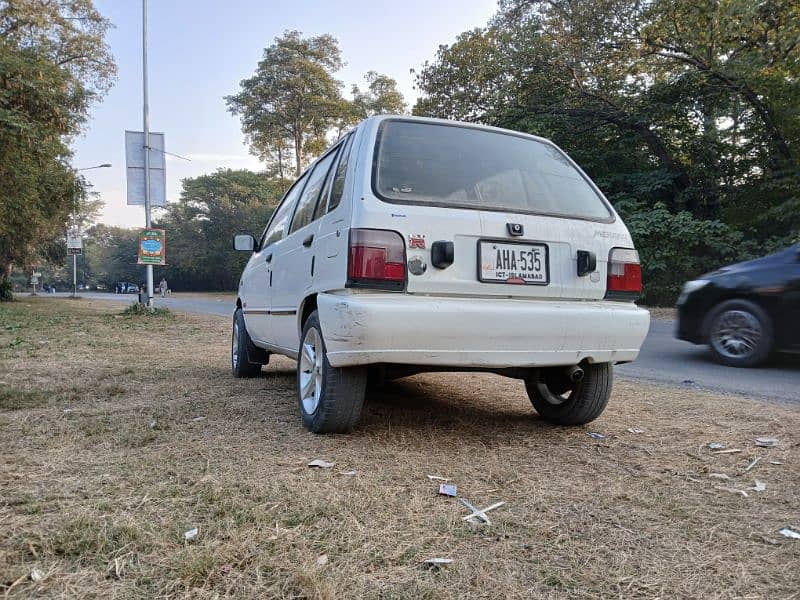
(134, 168)
(74, 242)
(152, 247)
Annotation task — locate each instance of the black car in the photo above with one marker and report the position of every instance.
(745, 311)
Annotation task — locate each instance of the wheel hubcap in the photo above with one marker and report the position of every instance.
(235, 346)
(736, 334)
(311, 371)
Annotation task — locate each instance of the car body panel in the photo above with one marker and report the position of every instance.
(772, 282)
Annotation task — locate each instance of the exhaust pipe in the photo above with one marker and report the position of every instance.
(575, 373)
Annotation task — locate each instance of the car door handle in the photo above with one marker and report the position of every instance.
(268, 257)
(308, 240)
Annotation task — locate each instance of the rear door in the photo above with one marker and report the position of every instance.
(295, 257)
(517, 211)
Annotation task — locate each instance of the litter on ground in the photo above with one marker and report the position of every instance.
(635, 430)
(596, 435)
(191, 534)
(348, 473)
(790, 533)
(322, 560)
(752, 464)
(437, 562)
(437, 478)
(766, 442)
(733, 491)
(716, 446)
(448, 489)
(718, 475)
(728, 451)
(479, 513)
(36, 575)
(759, 486)
(321, 464)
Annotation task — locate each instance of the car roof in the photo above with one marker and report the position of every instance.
(452, 122)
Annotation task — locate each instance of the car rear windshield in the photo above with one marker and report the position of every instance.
(464, 167)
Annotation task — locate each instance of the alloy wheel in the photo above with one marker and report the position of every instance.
(311, 371)
(736, 334)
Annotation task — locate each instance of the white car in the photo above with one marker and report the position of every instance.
(419, 244)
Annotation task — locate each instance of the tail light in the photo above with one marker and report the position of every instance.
(624, 274)
(376, 259)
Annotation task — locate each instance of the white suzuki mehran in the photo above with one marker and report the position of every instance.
(418, 245)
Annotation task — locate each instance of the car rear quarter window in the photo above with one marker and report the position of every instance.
(466, 167)
(341, 172)
(308, 201)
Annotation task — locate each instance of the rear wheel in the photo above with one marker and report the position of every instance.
(740, 333)
(240, 340)
(330, 398)
(563, 402)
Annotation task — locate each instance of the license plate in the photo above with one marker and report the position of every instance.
(520, 263)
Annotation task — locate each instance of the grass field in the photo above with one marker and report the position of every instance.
(118, 434)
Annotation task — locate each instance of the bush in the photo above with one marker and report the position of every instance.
(6, 291)
(676, 247)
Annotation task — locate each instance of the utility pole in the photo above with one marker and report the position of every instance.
(146, 129)
(74, 274)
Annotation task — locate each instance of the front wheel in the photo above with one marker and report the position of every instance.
(560, 401)
(240, 340)
(740, 334)
(330, 398)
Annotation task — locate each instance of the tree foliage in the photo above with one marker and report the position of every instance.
(381, 97)
(678, 109)
(53, 62)
(292, 98)
(200, 226)
(293, 102)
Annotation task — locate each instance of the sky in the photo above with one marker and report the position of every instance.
(199, 51)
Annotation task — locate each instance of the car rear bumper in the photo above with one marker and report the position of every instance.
(369, 328)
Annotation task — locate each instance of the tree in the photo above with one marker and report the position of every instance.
(380, 98)
(211, 209)
(53, 62)
(292, 98)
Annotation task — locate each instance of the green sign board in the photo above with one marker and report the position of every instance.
(152, 247)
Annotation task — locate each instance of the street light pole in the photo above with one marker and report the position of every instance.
(146, 129)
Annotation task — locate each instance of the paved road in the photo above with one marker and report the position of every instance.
(669, 361)
(664, 360)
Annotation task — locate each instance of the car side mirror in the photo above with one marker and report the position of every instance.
(244, 242)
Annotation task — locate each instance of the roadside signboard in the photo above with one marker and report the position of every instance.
(74, 242)
(134, 168)
(152, 247)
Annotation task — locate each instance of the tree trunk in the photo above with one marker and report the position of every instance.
(298, 153)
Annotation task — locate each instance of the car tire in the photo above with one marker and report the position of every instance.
(330, 398)
(740, 333)
(562, 402)
(240, 341)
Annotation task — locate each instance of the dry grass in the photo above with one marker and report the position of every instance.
(104, 468)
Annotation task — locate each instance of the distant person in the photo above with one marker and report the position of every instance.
(162, 286)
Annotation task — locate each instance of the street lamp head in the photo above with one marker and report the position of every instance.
(103, 166)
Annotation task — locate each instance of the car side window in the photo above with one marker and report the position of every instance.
(283, 213)
(304, 213)
(341, 171)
